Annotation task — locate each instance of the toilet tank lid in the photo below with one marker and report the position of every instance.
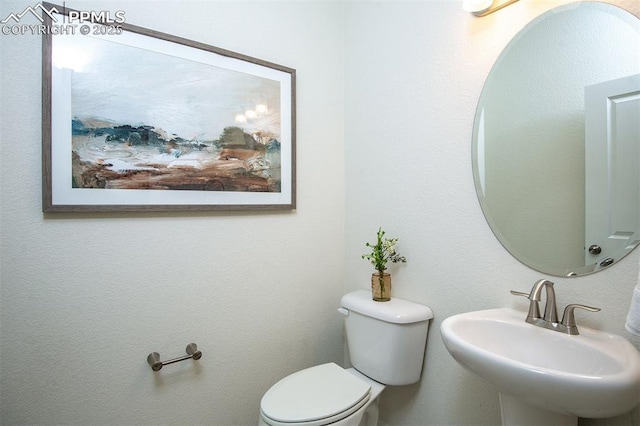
(396, 310)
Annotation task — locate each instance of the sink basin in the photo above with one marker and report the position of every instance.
(594, 374)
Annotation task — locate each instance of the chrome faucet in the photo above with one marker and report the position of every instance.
(550, 309)
(550, 318)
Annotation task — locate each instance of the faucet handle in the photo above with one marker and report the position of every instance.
(569, 319)
(534, 307)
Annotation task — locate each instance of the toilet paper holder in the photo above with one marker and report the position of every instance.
(192, 353)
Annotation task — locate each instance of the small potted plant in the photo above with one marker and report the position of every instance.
(383, 251)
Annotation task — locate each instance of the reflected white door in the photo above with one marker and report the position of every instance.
(612, 168)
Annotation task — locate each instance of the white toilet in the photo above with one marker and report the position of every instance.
(386, 343)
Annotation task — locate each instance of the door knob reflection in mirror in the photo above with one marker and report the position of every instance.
(608, 261)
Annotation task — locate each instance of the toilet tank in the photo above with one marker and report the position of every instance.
(386, 340)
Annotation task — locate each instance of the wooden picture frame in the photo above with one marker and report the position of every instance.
(139, 120)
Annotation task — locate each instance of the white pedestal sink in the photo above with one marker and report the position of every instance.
(544, 376)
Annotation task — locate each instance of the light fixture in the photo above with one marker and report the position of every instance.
(485, 7)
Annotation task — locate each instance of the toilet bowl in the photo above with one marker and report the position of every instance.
(386, 342)
(322, 395)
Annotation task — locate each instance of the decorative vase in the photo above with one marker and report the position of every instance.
(381, 287)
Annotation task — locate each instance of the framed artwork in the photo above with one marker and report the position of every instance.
(138, 120)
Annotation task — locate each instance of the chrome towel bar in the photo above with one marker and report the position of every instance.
(154, 357)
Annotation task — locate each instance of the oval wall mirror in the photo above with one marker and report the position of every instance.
(556, 140)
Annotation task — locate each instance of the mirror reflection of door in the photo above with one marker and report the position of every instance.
(612, 169)
(528, 145)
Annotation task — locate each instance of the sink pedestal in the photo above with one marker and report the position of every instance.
(515, 412)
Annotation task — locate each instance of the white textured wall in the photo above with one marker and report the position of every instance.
(415, 71)
(85, 298)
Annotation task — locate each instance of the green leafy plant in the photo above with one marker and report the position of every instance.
(383, 251)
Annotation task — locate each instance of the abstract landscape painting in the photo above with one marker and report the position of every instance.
(156, 122)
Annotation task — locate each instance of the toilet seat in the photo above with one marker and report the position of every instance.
(315, 396)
